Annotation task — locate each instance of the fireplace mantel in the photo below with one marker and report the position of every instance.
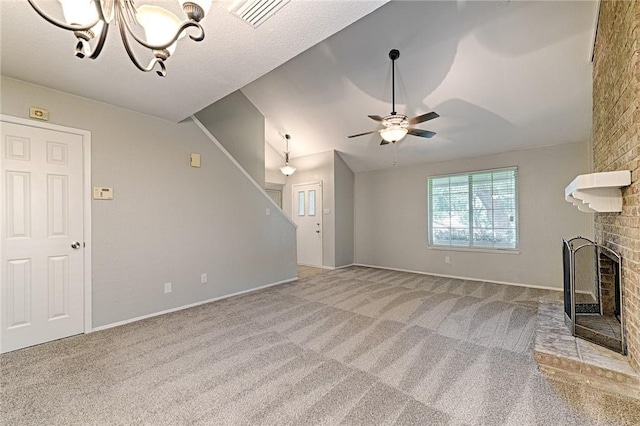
(598, 192)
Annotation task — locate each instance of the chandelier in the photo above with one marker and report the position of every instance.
(89, 20)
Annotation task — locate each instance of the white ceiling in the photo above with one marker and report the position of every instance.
(198, 74)
(502, 76)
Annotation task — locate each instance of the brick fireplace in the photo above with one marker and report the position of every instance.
(616, 146)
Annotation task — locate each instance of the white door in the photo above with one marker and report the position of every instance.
(307, 214)
(42, 236)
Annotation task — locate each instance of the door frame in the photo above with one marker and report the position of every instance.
(320, 214)
(86, 202)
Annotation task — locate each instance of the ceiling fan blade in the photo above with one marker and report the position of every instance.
(421, 133)
(383, 142)
(376, 118)
(362, 134)
(424, 117)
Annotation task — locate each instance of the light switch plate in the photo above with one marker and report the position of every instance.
(102, 193)
(195, 159)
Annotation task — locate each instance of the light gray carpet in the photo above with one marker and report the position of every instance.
(357, 346)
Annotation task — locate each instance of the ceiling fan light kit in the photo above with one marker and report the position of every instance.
(89, 21)
(393, 134)
(396, 126)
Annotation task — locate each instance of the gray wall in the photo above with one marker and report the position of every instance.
(239, 127)
(168, 222)
(344, 187)
(314, 168)
(391, 217)
(272, 161)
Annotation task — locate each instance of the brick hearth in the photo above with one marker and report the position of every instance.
(560, 354)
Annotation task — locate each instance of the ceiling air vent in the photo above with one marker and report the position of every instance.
(256, 12)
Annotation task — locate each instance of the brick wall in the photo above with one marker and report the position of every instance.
(616, 134)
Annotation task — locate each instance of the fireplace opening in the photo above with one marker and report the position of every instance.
(592, 293)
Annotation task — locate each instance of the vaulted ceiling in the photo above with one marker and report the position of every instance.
(503, 75)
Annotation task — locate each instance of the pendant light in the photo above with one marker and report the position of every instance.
(287, 170)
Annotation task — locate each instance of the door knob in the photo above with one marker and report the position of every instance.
(75, 245)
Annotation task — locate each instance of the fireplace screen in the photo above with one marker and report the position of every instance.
(592, 293)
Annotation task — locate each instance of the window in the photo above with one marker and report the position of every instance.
(476, 210)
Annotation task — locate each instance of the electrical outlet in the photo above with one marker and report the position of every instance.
(167, 288)
(447, 260)
(203, 278)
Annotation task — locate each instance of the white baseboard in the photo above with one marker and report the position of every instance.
(345, 266)
(316, 266)
(330, 268)
(179, 308)
(461, 278)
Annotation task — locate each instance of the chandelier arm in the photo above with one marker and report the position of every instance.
(183, 27)
(60, 24)
(100, 43)
(125, 41)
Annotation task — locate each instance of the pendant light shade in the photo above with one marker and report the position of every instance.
(287, 170)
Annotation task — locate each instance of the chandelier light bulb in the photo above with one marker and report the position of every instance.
(79, 12)
(159, 25)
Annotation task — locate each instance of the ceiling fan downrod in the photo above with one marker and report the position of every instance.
(393, 55)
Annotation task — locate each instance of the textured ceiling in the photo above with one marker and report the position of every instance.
(232, 54)
(502, 76)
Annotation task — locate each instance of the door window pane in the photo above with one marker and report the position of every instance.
(301, 203)
(312, 202)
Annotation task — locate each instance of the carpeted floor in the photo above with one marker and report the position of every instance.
(356, 346)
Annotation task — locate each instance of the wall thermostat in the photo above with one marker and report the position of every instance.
(102, 193)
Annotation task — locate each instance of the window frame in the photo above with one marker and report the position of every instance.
(470, 228)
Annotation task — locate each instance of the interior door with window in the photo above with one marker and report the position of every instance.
(307, 214)
(42, 284)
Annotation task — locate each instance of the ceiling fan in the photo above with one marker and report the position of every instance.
(396, 126)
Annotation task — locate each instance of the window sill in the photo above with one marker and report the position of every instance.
(475, 250)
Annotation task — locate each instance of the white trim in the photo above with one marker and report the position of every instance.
(461, 278)
(235, 163)
(468, 174)
(191, 305)
(331, 268)
(594, 37)
(86, 200)
(474, 250)
(319, 215)
(345, 266)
